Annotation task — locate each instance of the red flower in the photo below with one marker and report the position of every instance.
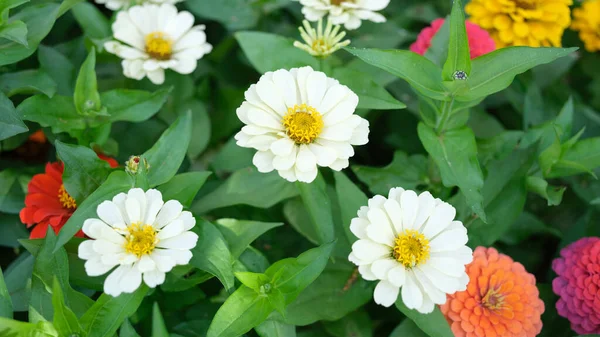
(47, 202)
(111, 161)
(480, 41)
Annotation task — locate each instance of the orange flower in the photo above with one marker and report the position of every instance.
(501, 299)
(38, 137)
(47, 202)
(111, 161)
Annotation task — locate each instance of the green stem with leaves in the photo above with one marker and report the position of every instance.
(446, 113)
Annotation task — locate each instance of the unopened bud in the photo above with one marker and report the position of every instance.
(132, 165)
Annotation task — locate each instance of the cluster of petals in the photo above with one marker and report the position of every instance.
(152, 38)
(578, 285)
(287, 104)
(586, 20)
(350, 13)
(501, 299)
(427, 266)
(531, 23)
(480, 41)
(140, 235)
(47, 202)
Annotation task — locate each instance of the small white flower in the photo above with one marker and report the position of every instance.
(139, 234)
(412, 243)
(153, 38)
(124, 4)
(321, 43)
(299, 119)
(346, 12)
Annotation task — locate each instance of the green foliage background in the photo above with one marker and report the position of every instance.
(517, 156)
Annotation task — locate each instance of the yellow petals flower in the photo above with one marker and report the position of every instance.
(586, 20)
(532, 23)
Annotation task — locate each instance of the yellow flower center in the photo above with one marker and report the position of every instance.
(65, 199)
(411, 248)
(303, 124)
(339, 2)
(493, 300)
(159, 46)
(141, 239)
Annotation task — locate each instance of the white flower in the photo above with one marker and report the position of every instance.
(346, 12)
(319, 42)
(124, 4)
(412, 243)
(139, 234)
(299, 119)
(153, 38)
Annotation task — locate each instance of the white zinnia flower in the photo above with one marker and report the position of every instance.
(299, 119)
(155, 38)
(321, 43)
(411, 242)
(124, 4)
(346, 12)
(139, 234)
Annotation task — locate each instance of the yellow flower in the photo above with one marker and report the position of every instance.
(532, 23)
(586, 20)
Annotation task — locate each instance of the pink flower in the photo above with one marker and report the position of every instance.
(480, 41)
(578, 285)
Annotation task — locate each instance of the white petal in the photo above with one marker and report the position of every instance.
(380, 229)
(333, 97)
(339, 164)
(380, 268)
(447, 265)
(95, 267)
(287, 162)
(112, 283)
(358, 227)
(154, 203)
(270, 94)
(173, 229)
(185, 240)
(427, 306)
(426, 208)
(316, 86)
(369, 251)
(286, 82)
(263, 160)
(449, 240)
(282, 147)
(409, 201)
(385, 293)
(154, 278)
(146, 264)
(133, 210)
(411, 293)
(188, 220)
(440, 280)
(442, 216)
(104, 246)
(93, 228)
(429, 290)
(325, 155)
(306, 161)
(365, 272)
(164, 262)
(342, 111)
(397, 276)
(157, 76)
(265, 119)
(131, 279)
(85, 250)
(110, 213)
(170, 210)
(392, 207)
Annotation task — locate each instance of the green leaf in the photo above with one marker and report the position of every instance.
(17, 278)
(84, 171)
(201, 128)
(241, 233)
(86, 97)
(48, 266)
(433, 324)
(64, 320)
(495, 71)
(94, 24)
(418, 71)
(438, 50)
(159, 329)
(582, 157)
(250, 187)
(10, 123)
(15, 31)
(27, 82)
(292, 275)
(242, 311)
(12, 328)
(404, 171)
(106, 315)
(270, 52)
(133, 105)
(459, 58)
(504, 193)
(298, 217)
(526, 226)
(6, 5)
(211, 253)
(6, 307)
(351, 199)
(253, 281)
(116, 183)
(371, 95)
(57, 112)
(127, 330)
(60, 69)
(356, 324)
(184, 187)
(39, 20)
(167, 154)
(270, 328)
(546, 133)
(338, 291)
(455, 153)
(234, 14)
(541, 187)
(407, 328)
(318, 205)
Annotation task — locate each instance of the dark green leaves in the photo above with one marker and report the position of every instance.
(433, 324)
(168, 152)
(10, 123)
(6, 307)
(455, 153)
(211, 253)
(84, 171)
(65, 321)
(57, 112)
(86, 97)
(459, 58)
(269, 52)
(371, 95)
(318, 205)
(184, 187)
(133, 105)
(234, 14)
(106, 315)
(27, 82)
